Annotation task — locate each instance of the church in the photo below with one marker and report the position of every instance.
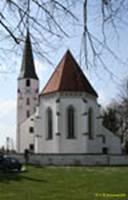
(64, 118)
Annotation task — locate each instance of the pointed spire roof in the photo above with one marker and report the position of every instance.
(28, 67)
(68, 76)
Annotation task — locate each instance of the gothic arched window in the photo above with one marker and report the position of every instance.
(90, 123)
(49, 124)
(71, 122)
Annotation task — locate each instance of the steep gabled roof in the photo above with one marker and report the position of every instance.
(28, 67)
(68, 76)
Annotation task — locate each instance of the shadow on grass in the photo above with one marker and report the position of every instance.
(15, 176)
(33, 179)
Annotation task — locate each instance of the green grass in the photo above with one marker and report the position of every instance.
(64, 183)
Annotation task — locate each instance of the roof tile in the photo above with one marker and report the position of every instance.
(68, 76)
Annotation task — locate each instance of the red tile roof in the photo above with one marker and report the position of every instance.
(68, 76)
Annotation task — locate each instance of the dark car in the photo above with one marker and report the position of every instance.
(9, 164)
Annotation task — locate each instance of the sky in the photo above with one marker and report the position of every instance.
(106, 86)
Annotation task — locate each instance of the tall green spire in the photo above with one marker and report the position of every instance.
(28, 67)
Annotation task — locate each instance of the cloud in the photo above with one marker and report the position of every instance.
(7, 120)
(103, 99)
(6, 107)
(7, 131)
(44, 72)
(41, 67)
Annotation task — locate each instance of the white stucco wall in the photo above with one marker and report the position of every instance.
(60, 143)
(24, 92)
(42, 144)
(113, 142)
(81, 144)
(26, 136)
(75, 159)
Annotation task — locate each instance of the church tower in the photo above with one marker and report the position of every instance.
(28, 89)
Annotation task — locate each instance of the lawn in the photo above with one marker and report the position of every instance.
(64, 183)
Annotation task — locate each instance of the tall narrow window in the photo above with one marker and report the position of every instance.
(90, 124)
(28, 101)
(28, 113)
(49, 124)
(31, 147)
(28, 82)
(71, 122)
(31, 129)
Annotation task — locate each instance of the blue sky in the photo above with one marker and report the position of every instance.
(107, 88)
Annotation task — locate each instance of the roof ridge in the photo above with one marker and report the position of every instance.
(68, 76)
(64, 58)
(81, 73)
(54, 72)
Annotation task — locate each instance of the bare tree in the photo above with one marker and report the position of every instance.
(111, 15)
(123, 112)
(46, 21)
(110, 119)
(51, 21)
(115, 116)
